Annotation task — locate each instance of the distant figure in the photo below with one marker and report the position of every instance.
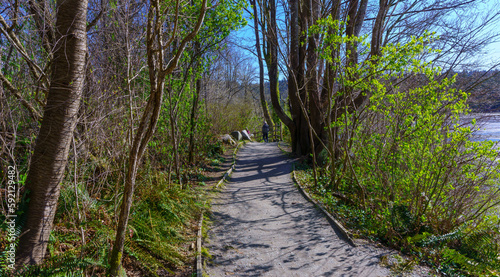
(265, 132)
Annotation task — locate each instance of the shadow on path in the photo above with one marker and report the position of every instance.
(262, 226)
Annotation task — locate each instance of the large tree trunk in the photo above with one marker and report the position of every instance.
(293, 70)
(272, 61)
(312, 82)
(299, 102)
(59, 120)
(272, 65)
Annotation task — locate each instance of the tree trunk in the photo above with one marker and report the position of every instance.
(158, 70)
(142, 137)
(272, 60)
(175, 141)
(293, 85)
(300, 103)
(378, 28)
(144, 133)
(356, 16)
(273, 54)
(194, 119)
(312, 83)
(263, 102)
(59, 120)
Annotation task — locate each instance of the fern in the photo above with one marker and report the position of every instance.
(157, 226)
(62, 265)
(149, 262)
(78, 261)
(483, 248)
(474, 254)
(439, 240)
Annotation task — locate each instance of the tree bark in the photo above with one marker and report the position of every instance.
(263, 101)
(293, 69)
(271, 54)
(59, 120)
(356, 16)
(158, 70)
(194, 119)
(312, 82)
(378, 28)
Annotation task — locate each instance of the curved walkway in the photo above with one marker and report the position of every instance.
(263, 226)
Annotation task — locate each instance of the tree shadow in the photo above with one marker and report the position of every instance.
(262, 225)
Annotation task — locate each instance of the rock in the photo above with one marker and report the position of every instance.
(245, 135)
(227, 139)
(236, 135)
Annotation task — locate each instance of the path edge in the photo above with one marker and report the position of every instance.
(329, 216)
(199, 259)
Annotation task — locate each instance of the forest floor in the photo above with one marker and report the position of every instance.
(214, 173)
(263, 226)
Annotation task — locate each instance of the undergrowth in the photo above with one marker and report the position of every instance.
(160, 231)
(469, 250)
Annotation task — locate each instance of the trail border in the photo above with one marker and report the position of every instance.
(330, 217)
(199, 239)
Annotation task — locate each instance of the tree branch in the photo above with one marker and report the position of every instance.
(34, 113)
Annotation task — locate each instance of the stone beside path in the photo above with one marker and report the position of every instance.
(263, 226)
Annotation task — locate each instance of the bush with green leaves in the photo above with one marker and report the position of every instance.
(405, 157)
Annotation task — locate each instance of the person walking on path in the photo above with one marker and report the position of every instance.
(265, 132)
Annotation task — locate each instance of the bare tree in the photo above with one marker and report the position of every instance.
(311, 80)
(159, 68)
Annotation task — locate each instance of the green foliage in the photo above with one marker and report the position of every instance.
(205, 253)
(157, 237)
(470, 254)
(67, 265)
(115, 92)
(158, 224)
(406, 160)
(225, 17)
(235, 116)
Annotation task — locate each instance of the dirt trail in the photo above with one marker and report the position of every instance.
(263, 226)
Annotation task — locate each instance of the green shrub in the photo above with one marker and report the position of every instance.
(405, 161)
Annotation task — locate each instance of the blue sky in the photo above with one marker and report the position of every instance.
(490, 7)
(487, 7)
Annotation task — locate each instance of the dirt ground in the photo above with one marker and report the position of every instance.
(263, 226)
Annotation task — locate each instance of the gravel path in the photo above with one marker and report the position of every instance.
(263, 226)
